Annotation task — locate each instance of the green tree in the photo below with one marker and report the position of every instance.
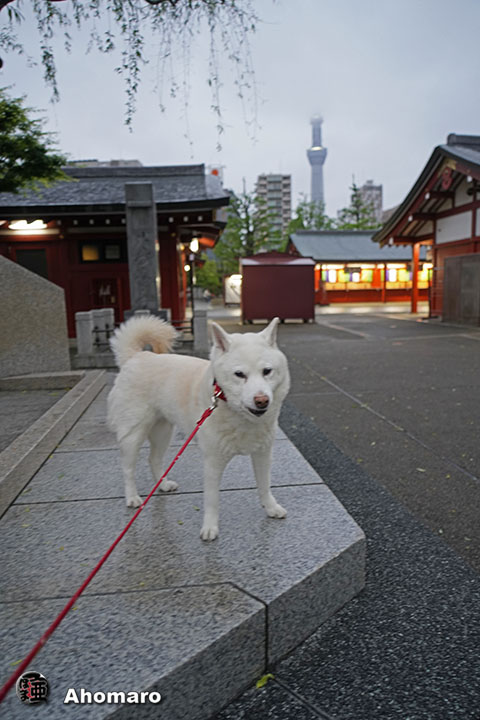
(309, 216)
(249, 230)
(207, 277)
(26, 152)
(131, 28)
(359, 215)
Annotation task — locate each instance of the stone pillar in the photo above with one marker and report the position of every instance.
(200, 331)
(84, 329)
(102, 323)
(142, 240)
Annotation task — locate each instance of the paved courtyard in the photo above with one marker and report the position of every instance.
(385, 407)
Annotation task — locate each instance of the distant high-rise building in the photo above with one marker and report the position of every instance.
(316, 157)
(276, 190)
(373, 195)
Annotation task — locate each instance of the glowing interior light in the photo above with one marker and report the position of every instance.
(27, 226)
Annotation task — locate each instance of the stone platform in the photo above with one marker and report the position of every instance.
(198, 622)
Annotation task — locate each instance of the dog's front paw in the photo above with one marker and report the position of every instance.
(276, 511)
(134, 501)
(168, 486)
(209, 532)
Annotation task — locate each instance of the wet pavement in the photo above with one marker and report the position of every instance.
(385, 407)
(20, 408)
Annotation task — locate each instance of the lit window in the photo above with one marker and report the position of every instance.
(90, 253)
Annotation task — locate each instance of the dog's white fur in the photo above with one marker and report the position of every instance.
(156, 391)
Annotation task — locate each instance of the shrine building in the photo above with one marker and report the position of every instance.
(73, 232)
(350, 267)
(442, 212)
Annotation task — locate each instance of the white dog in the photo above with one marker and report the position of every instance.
(155, 391)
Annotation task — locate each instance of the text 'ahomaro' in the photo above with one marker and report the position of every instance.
(84, 697)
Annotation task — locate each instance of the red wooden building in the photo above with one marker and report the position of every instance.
(350, 267)
(74, 232)
(441, 211)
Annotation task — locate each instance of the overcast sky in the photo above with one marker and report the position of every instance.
(391, 79)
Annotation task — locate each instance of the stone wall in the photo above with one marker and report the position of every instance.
(33, 323)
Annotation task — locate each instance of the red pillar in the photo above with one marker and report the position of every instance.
(171, 292)
(415, 258)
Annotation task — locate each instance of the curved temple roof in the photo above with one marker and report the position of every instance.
(463, 152)
(103, 188)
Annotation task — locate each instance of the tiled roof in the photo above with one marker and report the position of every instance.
(465, 148)
(93, 188)
(346, 246)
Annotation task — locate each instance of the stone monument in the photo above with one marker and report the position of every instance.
(33, 323)
(142, 239)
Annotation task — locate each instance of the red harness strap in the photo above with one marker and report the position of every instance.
(217, 394)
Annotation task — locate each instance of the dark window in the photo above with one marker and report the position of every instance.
(113, 252)
(33, 260)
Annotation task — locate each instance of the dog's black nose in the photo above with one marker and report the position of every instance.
(261, 401)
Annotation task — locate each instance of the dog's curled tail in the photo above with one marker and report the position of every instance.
(141, 333)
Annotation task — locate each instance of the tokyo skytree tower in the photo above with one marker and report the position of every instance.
(316, 157)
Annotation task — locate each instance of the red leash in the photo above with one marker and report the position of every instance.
(217, 394)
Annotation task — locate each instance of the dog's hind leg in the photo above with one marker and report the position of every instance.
(129, 447)
(159, 437)
(262, 461)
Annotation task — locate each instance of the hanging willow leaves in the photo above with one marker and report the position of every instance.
(140, 31)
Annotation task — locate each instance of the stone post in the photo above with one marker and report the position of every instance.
(142, 238)
(200, 331)
(101, 318)
(109, 314)
(84, 329)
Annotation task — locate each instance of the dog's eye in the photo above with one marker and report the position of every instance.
(267, 371)
(240, 374)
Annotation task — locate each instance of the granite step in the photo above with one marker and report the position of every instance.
(196, 622)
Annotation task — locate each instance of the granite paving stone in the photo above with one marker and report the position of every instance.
(96, 435)
(21, 458)
(20, 408)
(274, 560)
(97, 473)
(136, 641)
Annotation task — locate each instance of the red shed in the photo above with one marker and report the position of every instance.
(277, 285)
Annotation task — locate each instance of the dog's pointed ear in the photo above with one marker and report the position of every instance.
(270, 332)
(221, 339)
